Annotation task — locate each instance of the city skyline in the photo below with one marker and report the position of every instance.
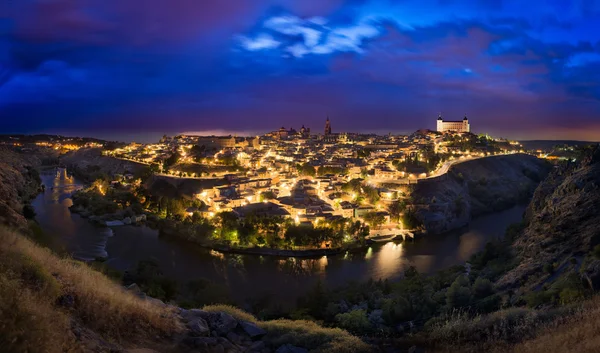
(144, 69)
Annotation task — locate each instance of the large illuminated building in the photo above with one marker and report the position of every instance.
(453, 125)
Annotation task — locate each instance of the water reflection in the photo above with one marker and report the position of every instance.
(281, 280)
(389, 260)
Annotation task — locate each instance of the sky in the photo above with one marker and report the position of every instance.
(519, 69)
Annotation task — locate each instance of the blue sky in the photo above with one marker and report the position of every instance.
(519, 69)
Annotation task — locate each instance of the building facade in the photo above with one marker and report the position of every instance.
(453, 125)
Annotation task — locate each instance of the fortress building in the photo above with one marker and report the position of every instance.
(453, 125)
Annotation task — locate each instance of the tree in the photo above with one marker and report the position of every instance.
(482, 288)
(396, 208)
(374, 219)
(306, 170)
(459, 293)
(410, 220)
(227, 223)
(267, 195)
(371, 194)
(172, 160)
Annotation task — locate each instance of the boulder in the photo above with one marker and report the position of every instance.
(288, 348)
(222, 323)
(199, 327)
(252, 329)
(127, 220)
(257, 346)
(192, 314)
(234, 337)
(135, 289)
(205, 342)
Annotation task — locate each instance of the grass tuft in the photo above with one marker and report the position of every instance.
(310, 335)
(231, 310)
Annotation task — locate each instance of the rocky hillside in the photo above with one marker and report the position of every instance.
(476, 187)
(19, 182)
(89, 164)
(562, 226)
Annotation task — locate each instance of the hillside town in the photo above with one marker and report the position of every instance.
(352, 186)
(307, 178)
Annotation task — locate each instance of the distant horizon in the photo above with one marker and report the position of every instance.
(155, 136)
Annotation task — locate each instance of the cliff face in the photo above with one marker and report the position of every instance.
(19, 182)
(476, 187)
(563, 225)
(89, 164)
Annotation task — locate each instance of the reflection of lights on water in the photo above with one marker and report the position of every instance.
(303, 266)
(218, 254)
(346, 255)
(323, 262)
(369, 253)
(388, 259)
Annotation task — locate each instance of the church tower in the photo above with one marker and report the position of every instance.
(327, 127)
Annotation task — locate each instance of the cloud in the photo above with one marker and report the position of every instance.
(314, 35)
(260, 42)
(371, 64)
(582, 59)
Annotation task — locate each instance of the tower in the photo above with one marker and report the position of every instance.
(440, 123)
(466, 126)
(327, 127)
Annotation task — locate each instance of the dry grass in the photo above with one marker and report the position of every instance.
(34, 278)
(231, 310)
(29, 323)
(573, 328)
(302, 333)
(577, 333)
(312, 336)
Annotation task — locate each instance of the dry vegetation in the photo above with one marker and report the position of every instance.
(301, 333)
(44, 297)
(574, 328)
(577, 333)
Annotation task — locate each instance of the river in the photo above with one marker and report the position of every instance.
(250, 276)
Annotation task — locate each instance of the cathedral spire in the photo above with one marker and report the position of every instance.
(327, 126)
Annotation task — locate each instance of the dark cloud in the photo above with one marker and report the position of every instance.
(379, 65)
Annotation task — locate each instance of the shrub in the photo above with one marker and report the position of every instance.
(596, 251)
(570, 295)
(549, 268)
(29, 212)
(312, 336)
(459, 293)
(535, 299)
(354, 321)
(482, 288)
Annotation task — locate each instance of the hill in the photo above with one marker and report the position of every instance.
(476, 187)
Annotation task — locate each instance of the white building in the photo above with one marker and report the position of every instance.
(453, 126)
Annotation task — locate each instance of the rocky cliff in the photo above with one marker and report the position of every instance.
(476, 187)
(19, 182)
(562, 226)
(89, 163)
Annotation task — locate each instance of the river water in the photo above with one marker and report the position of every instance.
(250, 276)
